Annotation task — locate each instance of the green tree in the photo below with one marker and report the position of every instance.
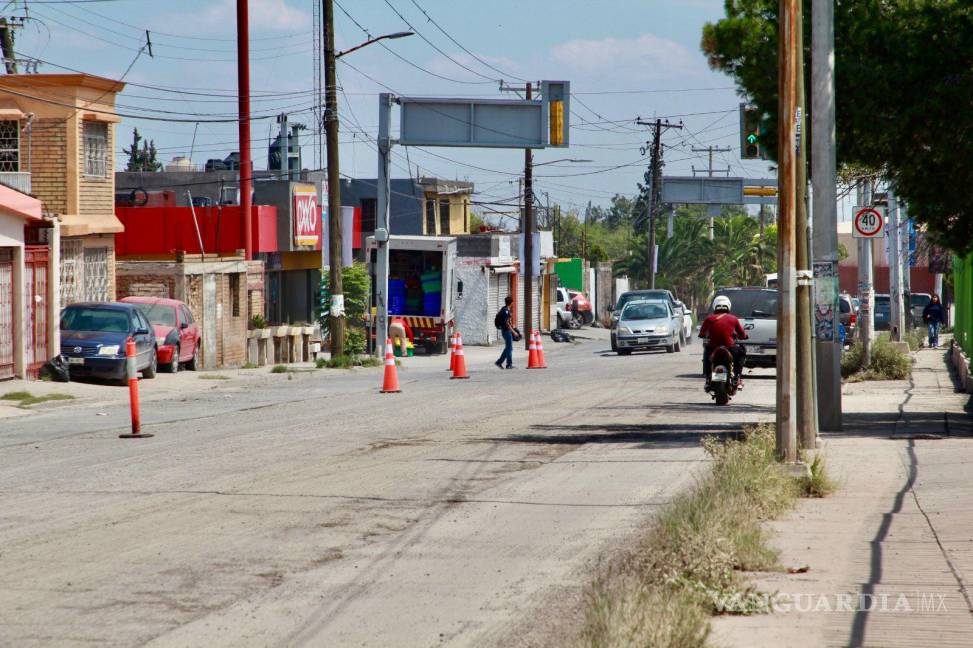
(144, 157)
(903, 80)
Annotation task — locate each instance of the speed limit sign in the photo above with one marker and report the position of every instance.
(868, 222)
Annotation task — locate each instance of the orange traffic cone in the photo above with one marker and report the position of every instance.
(459, 368)
(452, 352)
(391, 383)
(532, 353)
(541, 363)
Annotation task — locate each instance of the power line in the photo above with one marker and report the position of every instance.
(433, 45)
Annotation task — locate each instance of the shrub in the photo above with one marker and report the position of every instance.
(257, 322)
(278, 369)
(887, 362)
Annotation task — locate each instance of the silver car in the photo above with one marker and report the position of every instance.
(756, 308)
(644, 325)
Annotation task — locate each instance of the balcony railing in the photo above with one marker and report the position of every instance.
(19, 180)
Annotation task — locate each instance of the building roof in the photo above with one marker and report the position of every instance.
(20, 204)
(27, 81)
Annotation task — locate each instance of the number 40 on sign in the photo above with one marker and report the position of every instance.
(868, 222)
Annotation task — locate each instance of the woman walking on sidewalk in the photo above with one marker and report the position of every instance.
(934, 315)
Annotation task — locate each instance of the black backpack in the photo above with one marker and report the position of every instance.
(498, 319)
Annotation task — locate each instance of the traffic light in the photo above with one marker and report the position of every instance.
(751, 147)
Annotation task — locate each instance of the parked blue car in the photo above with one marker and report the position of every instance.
(93, 337)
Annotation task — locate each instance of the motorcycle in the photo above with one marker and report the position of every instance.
(723, 383)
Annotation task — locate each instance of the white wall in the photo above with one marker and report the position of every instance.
(472, 318)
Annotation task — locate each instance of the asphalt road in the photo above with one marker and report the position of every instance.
(314, 511)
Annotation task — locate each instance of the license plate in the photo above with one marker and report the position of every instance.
(643, 340)
(76, 361)
(719, 377)
(755, 350)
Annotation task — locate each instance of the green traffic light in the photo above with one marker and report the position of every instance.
(752, 138)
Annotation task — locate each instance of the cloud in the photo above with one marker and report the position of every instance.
(270, 15)
(645, 56)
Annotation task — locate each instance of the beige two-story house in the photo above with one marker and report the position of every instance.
(57, 142)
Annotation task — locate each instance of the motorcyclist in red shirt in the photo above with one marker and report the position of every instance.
(722, 328)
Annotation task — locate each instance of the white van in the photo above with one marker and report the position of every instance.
(756, 308)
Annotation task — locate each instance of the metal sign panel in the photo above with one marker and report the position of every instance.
(488, 123)
(868, 222)
(702, 190)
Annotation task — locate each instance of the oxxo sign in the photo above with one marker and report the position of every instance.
(307, 219)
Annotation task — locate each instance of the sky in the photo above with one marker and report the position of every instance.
(625, 59)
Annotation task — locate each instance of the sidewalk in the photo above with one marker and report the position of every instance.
(890, 554)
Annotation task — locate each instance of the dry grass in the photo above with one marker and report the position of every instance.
(688, 566)
(25, 399)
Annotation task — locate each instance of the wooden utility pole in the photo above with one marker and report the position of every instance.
(527, 227)
(655, 190)
(336, 325)
(807, 413)
(243, 97)
(788, 115)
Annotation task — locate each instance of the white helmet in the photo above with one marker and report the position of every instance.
(721, 303)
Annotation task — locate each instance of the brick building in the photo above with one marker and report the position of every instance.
(57, 142)
(215, 291)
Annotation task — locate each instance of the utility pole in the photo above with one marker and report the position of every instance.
(897, 326)
(655, 191)
(243, 94)
(825, 216)
(7, 27)
(787, 176)
(528, 229)
(865, 281)
(711, 150)
(336, 309)
(807, 412)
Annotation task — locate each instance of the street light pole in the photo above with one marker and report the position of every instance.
(336, 309)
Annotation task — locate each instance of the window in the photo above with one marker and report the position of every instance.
(95, 149)
(430, 217)
(187, 315)
(368, 212)
(9, 145)
(444, 216)
(235, 294)
(160, 314)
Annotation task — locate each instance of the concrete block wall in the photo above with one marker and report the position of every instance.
(49, 168)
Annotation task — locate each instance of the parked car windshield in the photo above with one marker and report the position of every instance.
(81, 318)
(921, 301)
(644, 312)
(752, 304)
(642, 294)
(159, 314)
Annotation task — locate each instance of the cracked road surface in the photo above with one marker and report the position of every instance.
(314, 511)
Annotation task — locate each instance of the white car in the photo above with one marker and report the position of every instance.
(756, 308)
(644, 325)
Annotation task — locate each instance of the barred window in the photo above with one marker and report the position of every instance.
(95, 149)
(9, 145)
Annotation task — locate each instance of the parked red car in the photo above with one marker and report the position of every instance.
(176, 331)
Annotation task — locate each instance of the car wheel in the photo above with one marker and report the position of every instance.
(560, 321)
(614, 343)
(193, 363)
(670, 348)
(149, 372)
(174, 365)
(678, 344)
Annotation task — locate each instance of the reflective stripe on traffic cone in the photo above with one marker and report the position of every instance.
(541, 363)
(532, 353)
(459, 369)
(452, 352)
(391, 383)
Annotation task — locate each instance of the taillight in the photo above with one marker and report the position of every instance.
(853, 320)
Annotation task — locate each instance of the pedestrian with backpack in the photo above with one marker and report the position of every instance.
(934, 316)
(504, 321)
